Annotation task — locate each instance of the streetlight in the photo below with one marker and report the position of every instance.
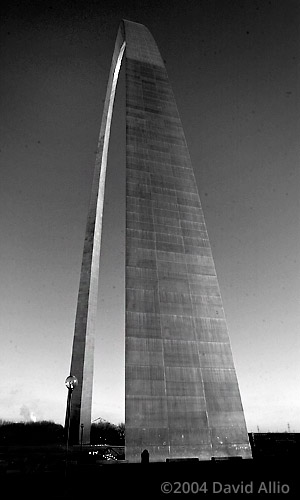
(71, 382)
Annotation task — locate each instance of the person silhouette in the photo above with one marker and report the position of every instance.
(145, 457)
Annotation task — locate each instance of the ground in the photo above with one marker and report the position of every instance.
(48, 472)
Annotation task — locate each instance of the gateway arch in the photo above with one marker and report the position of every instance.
(182, 398)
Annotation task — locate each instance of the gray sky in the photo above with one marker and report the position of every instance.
(233, 68)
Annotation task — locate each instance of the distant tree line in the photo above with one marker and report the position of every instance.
(107, 433)
(42, 432)
(45, 432)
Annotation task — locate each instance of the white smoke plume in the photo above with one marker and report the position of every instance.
(27, 414)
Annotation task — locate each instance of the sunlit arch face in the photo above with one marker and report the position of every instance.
(181, 392)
